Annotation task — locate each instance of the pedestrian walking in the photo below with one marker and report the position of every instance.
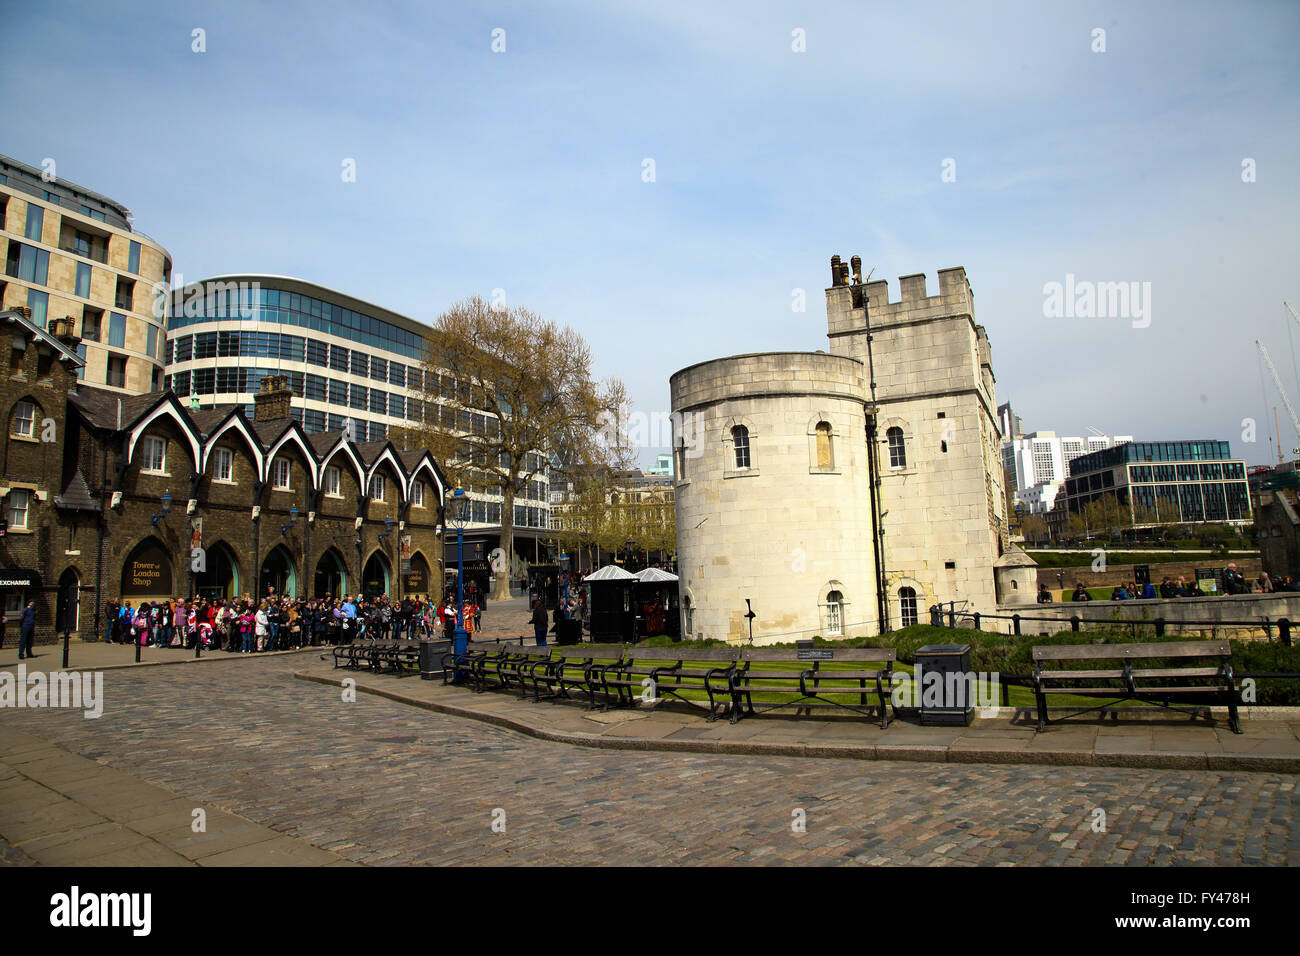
(27, 631)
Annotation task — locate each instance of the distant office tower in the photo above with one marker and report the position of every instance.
(1164, 482)
(1039, 463)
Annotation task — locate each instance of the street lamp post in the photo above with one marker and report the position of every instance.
(458, 517)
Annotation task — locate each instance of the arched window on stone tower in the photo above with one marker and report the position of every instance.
(740, 439)
(897, 450)
(907, 603)
(825, 451)
(834, 613)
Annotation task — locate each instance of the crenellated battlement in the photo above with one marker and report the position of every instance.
(847, 292)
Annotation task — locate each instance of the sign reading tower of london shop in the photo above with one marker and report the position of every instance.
(148, 572)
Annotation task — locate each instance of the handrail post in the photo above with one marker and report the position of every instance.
(1284, 631)
(977, 620)
(952, 614)
(1015, 620)
(1160, 627)
(1074, 623)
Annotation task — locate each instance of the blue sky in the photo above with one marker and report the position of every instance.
(522, 170)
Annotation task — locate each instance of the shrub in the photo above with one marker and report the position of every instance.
(1260, 657)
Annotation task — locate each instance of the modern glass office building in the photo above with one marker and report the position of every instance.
(1178, 481)
(350, 364)
(74, 259)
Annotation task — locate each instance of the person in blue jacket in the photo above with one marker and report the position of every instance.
(27, 630)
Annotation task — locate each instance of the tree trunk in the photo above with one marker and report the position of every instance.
(502, 590)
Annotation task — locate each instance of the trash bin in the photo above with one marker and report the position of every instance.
(945, 701)
(568, 632)
(431, 659)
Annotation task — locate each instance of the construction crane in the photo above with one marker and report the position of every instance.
(1268, 360)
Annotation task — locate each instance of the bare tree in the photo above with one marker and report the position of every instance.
(507, 394)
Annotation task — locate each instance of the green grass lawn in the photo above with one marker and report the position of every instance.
(1017, 696)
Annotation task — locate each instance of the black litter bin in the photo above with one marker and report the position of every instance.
(568, 632)
(431, 659)
(955, 703)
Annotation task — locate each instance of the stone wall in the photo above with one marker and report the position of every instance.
(1123, 573)
(1240, 616)
(786, 532)
(942, 511)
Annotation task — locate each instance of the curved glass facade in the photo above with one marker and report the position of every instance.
(346, 369)
(285, 308)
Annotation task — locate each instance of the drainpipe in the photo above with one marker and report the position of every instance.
(99, 541)
(873, 476)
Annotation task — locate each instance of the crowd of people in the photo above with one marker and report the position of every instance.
(277, 623)
(1234, 582)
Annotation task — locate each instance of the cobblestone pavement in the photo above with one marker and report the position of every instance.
(379, 782)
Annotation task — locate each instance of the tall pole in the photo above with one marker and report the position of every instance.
(1278, 432)
(462, 639)
(873, 479)
(460, 642)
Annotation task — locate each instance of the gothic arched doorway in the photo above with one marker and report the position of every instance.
(221, 580)
(68, 612)
(147, 573)
(331, 575)
(417, 581)
(278, 572)
(377, 577)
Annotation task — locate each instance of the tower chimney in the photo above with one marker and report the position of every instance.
(856, 263)
(274, 400)
(835, 270)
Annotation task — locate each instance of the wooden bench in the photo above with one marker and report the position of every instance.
(574, 668)
(669, 671)
(494, 665)
(520, 665)
(820, 677)
(1192, 669)
(402, 657)
(479, 663)
(350, 654)
(464, 663)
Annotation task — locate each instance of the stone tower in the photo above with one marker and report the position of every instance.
(932, 427)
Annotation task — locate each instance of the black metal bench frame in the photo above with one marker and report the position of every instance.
(520, 666)
(672, 671)
(1221, 690)
(560, 673)
(810, 677)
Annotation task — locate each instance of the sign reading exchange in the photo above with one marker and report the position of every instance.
(147, 572)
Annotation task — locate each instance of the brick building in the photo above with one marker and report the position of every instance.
(106, 495)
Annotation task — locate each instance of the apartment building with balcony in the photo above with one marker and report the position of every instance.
(74, 259)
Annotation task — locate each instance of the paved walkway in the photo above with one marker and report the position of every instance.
(61, 809)
(375, 781)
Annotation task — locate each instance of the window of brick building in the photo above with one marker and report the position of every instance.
(24, 425)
